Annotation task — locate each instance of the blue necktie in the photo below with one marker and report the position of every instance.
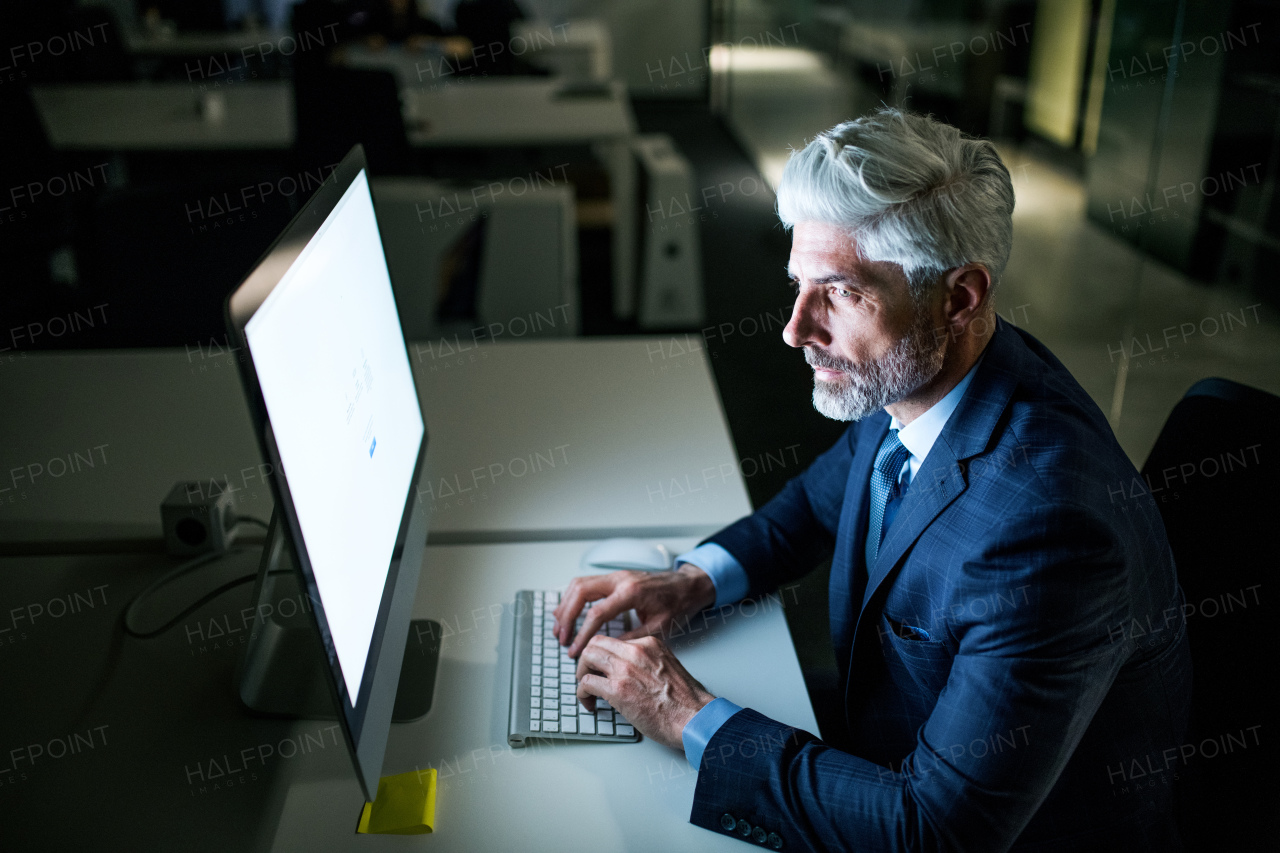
(884, 483)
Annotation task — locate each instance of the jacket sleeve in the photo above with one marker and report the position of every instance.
(1023, 686)
(796, 529)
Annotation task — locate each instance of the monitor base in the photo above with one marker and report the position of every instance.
(283, 670)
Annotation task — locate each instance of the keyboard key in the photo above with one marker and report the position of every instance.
(586, 724)
(601, 716)
(601, 728)
(551, 727)
(537, 681)
(619, 720)
(548, 693)
(550, 704)
(535, 725)
(550, 715)
(552, 598)
(569, 725)
(603, 704)
(624, 731)
(537, 668)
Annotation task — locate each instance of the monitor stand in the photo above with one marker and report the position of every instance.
(283, 670)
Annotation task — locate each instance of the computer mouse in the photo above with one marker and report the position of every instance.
(624, 553)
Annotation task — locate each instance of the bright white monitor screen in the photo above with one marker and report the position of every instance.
(330, 357)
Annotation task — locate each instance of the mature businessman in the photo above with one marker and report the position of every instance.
(1008, 634)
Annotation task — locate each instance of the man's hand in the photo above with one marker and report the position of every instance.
(659, 598)
(644, 682)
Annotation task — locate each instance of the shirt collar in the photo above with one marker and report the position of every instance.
(919, 436)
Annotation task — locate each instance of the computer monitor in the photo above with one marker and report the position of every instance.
(336, 410)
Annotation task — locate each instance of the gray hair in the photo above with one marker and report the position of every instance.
(910, 190)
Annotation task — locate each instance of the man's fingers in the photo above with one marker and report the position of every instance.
(604, 610)
(579, 592)
(591, 686)
(598, 656)
(651, 628)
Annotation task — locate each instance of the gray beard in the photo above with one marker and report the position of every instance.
(867, 388)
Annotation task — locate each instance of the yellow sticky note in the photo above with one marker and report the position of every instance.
(405, 805)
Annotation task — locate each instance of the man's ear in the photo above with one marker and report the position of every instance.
(967, 289)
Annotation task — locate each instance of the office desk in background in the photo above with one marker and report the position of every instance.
(547, 439)
(166, 116)
(578, 48)
(258, 115)
(575, 50)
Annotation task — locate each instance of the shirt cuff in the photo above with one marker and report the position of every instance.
(726, 573)
(699, 731)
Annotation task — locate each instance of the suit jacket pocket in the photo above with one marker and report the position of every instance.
(916, 653)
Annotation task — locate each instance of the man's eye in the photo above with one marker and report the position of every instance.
(842, 293)
(794, 285)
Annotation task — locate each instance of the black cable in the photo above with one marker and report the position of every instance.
(203, 600)
(174, 574)
(116, 646)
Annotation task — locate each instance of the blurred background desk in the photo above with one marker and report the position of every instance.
(261, 115)
(166, 116)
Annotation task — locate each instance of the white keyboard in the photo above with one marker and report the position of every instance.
(544, 684)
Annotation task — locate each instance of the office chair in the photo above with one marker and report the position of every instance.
(1214, 473)
(335, 108)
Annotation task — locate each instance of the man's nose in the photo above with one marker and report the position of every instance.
(805, 326)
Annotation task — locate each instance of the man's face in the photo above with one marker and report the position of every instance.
(870, 345)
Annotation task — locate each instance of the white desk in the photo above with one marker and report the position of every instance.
(150, 116)
(639, 440)
(136, 789)
(634, 428)
(205, 44)
(515, 111)
(166, 116)
(549, 796)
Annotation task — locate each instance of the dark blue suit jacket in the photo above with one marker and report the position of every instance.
(1014, 666)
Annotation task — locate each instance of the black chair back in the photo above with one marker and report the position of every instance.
(1214, 473)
